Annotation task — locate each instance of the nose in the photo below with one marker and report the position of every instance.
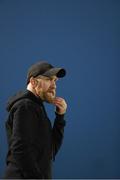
(53, 84)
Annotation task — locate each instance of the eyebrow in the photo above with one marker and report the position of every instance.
(55, 78)
(45, 77)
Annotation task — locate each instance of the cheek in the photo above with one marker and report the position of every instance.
(39, 87)
(45, 86)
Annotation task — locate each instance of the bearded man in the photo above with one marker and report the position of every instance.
(32, 141)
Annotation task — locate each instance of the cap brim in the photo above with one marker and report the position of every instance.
(59, 72)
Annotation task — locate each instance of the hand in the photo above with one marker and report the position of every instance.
(60, 104)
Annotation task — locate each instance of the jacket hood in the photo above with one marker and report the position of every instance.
(21, 95)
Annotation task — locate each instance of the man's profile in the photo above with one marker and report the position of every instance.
(32, 141)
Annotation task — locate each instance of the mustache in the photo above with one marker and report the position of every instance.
(52, 90)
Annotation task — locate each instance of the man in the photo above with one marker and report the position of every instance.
(33, 142)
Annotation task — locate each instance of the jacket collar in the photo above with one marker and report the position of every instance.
(32, 96)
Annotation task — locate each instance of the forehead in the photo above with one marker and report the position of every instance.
(45, 77)
(53, 77)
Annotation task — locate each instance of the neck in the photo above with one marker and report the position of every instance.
(31, 89)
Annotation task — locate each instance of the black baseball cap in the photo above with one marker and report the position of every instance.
(45, 69)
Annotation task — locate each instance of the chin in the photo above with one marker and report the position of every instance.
(49, 99)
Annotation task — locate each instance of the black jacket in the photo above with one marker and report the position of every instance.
(33, 142)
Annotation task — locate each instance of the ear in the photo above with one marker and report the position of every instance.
(33, 82)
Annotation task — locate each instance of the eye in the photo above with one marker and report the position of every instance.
(55, 80)
(47, 79)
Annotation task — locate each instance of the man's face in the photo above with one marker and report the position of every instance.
(46, 88)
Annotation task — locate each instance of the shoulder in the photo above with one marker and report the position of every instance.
(26, 104)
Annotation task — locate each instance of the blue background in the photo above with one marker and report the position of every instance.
(84, 37)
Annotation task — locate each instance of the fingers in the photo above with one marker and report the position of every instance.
(59, 99)
(60, 104)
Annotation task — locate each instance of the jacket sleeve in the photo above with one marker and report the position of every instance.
(57, 133)
(25, 128)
